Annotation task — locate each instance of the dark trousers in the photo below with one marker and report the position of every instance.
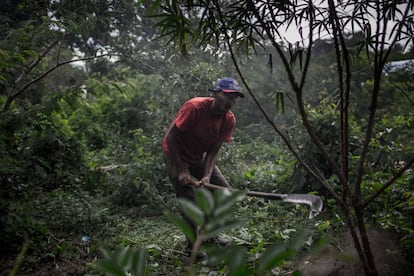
(188, 192)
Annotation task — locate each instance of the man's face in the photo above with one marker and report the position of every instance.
(225, 101)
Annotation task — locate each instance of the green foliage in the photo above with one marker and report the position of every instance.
(41, 149)
(212, 213)
(142, 183)
(405, 223)
(67, 125)
(394, 208)
(56, 212)
(324, 119)
(70, 212)
(124, 261)
(39, 154)
(18, 223)
(266, 167)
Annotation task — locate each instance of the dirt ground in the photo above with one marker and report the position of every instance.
(342, 260)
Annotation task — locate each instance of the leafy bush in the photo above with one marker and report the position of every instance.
(257, 165)
(142, 182)
(213, 213)
(394, 208)
(17, 224)
(71, 212)
(39, 151)
(41, 160)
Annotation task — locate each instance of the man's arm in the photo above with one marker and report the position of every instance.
(210, 161)
(183, 174)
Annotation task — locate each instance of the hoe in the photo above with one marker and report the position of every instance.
(315, 203)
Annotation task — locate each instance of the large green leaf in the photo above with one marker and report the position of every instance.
(296, 241)
(225, 201)
(192, 211)
(278, 253)
(237, 260)
(109, 268)
(219, 226)
(137, 262)
(205, 200)
(181, 224)
(122, 261)
(273, 256)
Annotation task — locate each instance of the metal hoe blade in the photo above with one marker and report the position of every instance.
(315, 202)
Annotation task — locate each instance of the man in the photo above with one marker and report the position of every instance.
(194, 138)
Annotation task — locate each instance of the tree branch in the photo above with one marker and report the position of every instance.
(344, 95)
(12, 97)
(405, 94)
(308, 56)
(26, 70)
(391, 181)
(270, 121)
(380, 58)
(372, 108)
(298, 91)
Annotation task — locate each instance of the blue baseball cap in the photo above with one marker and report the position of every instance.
(227, 85)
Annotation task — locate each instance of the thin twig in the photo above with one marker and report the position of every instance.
(391, 181)
(12, 97)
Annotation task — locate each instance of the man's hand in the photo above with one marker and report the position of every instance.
(186, 179)
(204, 180)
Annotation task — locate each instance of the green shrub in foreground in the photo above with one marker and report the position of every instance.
(212, 213)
